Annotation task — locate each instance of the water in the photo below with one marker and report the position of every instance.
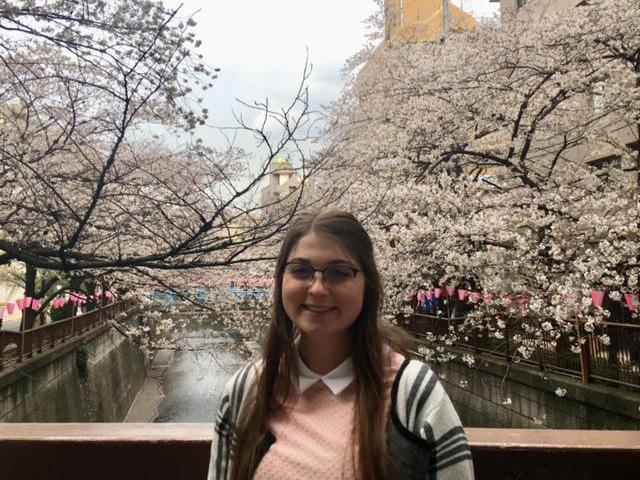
(186, 384)
(194, 380)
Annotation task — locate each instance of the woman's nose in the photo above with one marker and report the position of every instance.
(317, 285)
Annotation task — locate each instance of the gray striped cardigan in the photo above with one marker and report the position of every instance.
(424, 435)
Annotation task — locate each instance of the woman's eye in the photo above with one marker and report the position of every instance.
(338, 273)
(300, 271)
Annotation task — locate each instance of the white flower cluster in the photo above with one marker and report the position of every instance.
(560, 392)
(469, 360)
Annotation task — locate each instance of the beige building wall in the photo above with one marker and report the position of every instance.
(414, 21)
(422, 20)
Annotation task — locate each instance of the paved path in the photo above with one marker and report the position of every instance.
(145, 406)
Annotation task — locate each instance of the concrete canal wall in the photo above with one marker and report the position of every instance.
(93, 378)
(494, 394)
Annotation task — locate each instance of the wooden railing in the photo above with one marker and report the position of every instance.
(16, 346)
(128, 451)
(616, 363)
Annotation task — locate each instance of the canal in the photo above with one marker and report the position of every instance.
(185, 384)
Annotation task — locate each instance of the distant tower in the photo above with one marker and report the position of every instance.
(282, 180)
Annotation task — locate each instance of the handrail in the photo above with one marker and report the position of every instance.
(580, 320)
(614, 363)
(503, 437)
(181, 450)
(37, 339)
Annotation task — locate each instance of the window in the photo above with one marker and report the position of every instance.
(597, 100)
(521, 3)
(609, 161)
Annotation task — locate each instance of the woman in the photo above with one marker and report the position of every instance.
(332, 397)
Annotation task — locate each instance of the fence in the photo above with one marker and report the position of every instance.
(616, 363)
(15, 346)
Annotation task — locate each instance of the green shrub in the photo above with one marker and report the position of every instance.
(82, 362)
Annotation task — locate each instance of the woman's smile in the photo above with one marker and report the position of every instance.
(317, 309)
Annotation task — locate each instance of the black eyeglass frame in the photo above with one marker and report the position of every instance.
(322, 270)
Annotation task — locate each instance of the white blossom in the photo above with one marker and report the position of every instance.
(560, 392)
(469, 360)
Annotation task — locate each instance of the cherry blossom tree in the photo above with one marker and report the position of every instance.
(101, 168)
(505, 161)
(90, 175)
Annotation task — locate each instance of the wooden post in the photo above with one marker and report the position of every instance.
(21, 353)
(540, 360)
(445, 20)
(40, 337)
(585, 352)
(475, 335)
(507, 342)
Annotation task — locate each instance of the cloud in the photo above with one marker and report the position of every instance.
(261, 47)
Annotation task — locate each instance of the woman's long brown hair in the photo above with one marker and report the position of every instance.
(274, 386)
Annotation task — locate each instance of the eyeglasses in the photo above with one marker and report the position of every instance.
(333, 275)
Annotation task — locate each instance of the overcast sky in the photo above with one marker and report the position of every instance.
(260, 46)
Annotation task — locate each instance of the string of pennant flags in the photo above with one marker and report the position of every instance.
(219, 282)
(238, 282)
(433, 295)
(59, 301)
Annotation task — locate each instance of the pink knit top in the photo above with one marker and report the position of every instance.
(313, 437)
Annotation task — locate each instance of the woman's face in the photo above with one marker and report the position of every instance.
(322, 306)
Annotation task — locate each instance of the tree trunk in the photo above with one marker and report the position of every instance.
(29, 315)
(75, 282)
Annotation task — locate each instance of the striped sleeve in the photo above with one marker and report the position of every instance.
(233, 398)
(424, 409)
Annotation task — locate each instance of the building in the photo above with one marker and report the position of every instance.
(620, 132)
(283, 179)
(422, 20)
(509, 8)
(414, 21)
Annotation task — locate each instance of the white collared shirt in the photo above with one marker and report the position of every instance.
(337, 379)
